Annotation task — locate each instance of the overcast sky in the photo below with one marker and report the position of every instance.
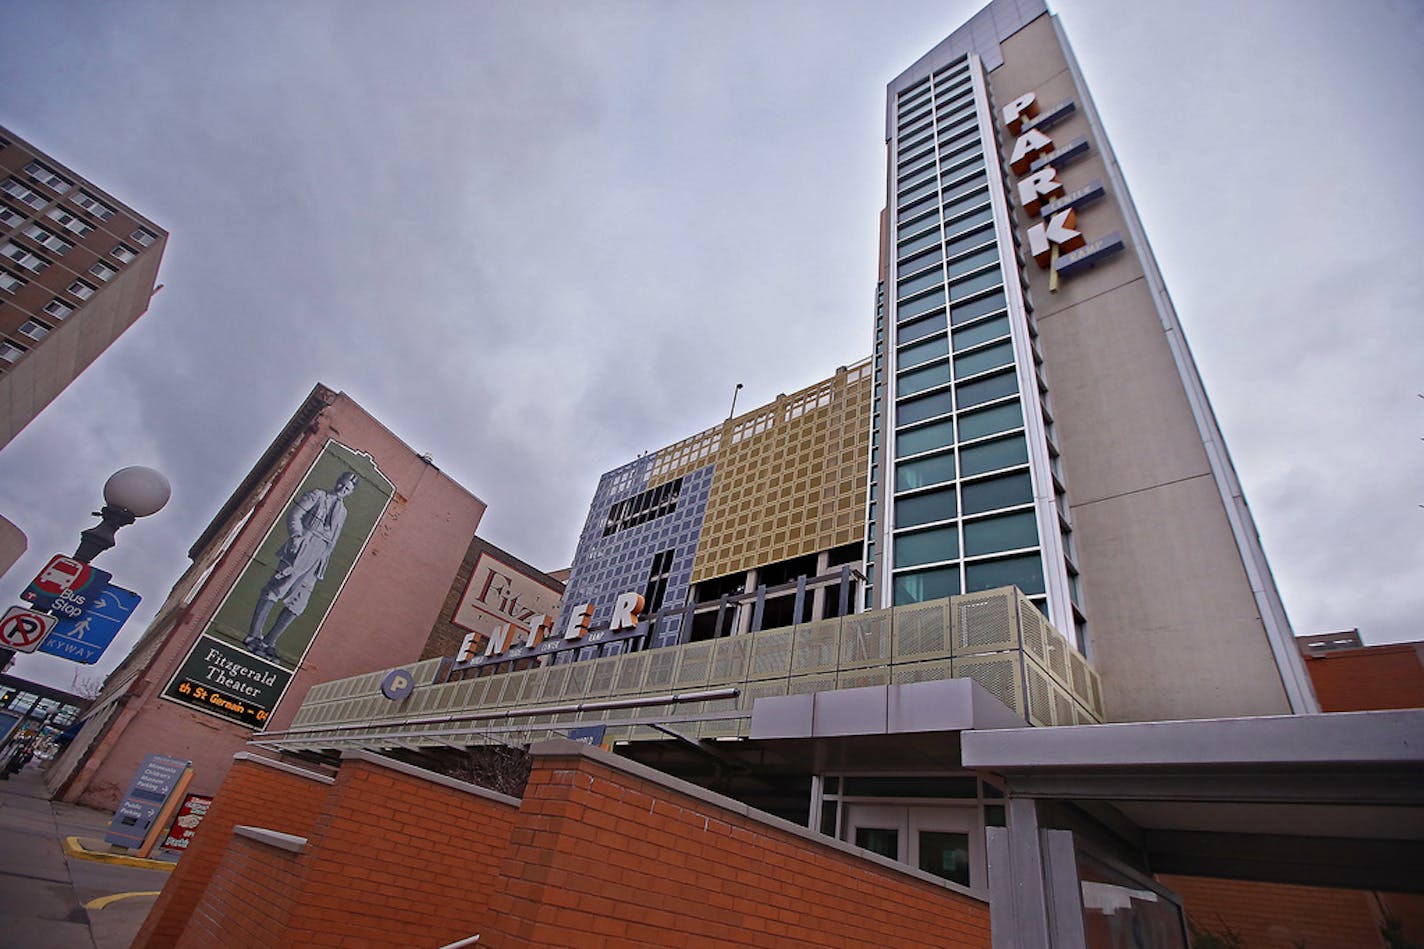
(536, 239)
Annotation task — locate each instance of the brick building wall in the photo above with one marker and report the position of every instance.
(1285, 916)
(1370, 677)
(253, 785)
(609, 852)
(602, 851)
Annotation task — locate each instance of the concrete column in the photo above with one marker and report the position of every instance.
(818, 596)
(744, 611)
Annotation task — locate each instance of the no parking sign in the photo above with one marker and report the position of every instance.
(23, 629)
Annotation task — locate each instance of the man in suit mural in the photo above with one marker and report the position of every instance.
(314, 523)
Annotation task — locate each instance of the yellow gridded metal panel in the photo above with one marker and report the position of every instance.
(985, 622)
(662, 664)
(1001, 675)
(859, 678)
(730, 659)
(921, 632)
(865, 640)
(425, 671)
(1095, 694)
(629, 678)
(1040, 695)
(695, 664)
(771, 654)
(815, 647)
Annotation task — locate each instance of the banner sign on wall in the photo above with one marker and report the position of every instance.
(242, 663)
(499, 593)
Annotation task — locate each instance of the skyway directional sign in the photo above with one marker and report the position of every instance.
(85, 637)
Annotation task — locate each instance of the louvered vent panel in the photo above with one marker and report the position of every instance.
(730, 658)
(930, 671)
(920, 632)
(1040, 696)
(695, 665)
(865, 640)
(662, 663)
(771, 654)
(815, 647)
(1034, 630)
(576, 685)
(984, 622)
(1000, 675)
(552, 686)
(859, 678)
(631, 668)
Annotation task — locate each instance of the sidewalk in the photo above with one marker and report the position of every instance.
(53, 896)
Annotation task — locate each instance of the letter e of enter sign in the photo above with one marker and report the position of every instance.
(1059, 230)
(578, 622)
(626, 610)
(1041, 184)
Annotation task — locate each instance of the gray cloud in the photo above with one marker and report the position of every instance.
(536, 239)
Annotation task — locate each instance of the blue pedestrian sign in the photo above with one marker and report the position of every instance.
(85, 637)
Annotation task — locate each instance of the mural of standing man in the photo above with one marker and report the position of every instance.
(314, 523)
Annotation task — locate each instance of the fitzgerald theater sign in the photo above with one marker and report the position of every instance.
(1054, 241)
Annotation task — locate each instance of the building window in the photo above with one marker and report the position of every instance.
(9, 351)
(124, 254)
(47, 239)
(31, 262)
(22, 194)
(9, 282)
(643, 507)
(34, 329)
(93, 205)
(10, 217)
(47, 177)
(658, 574)
(143, 236)
(58, 309)
(82, 290)
(102, 270)
(69, 222)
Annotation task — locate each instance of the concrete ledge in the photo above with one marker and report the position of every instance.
(272, 838)
(283, 766)
(82, 849)
(1332, 738)
(564, 748)
(431, 776)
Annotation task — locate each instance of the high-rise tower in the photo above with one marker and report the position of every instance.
(77, 268)
(1039, 420)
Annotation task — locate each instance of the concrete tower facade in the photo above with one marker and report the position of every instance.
(1039, 420)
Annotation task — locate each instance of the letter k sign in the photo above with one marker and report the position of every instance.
(1058, 230)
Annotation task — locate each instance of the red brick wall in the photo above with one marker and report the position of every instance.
(254, 792)
(398, 859)
(602, 855)
(248, 900)
(1372, 677)
(1283, 916)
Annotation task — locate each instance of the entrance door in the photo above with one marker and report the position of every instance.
(945, 841)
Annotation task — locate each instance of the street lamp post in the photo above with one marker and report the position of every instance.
(130, 493)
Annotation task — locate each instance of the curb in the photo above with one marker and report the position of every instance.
(74, 847)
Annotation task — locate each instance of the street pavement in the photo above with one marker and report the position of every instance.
(50, 899)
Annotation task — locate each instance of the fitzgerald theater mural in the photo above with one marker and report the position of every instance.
(244, 660)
